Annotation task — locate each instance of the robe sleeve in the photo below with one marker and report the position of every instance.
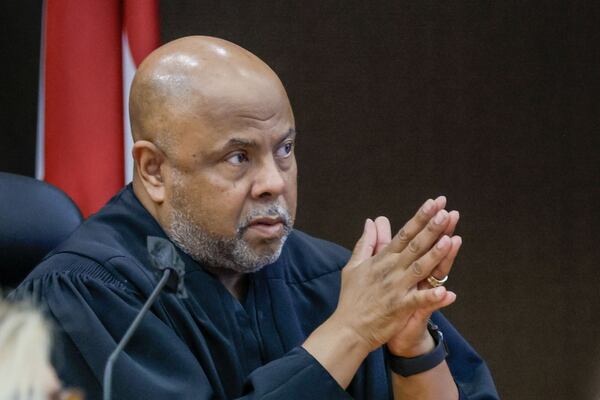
(470, 372)
(91, 312)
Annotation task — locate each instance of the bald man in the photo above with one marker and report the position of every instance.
(270, 312)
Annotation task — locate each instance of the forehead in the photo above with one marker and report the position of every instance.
(230, 100)
(261, 123)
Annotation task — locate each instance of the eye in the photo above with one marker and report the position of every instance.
(237, 158)
(285, 150)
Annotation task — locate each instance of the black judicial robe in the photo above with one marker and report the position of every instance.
(208, 346)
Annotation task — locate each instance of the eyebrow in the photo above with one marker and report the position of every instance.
(241, 142)
(290, 134)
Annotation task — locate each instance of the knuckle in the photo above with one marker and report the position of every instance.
(377, 275)
(417, 268)
(379, 272)
(403, 236)
(437, 252)
(388, 283)
(414, 246)
(422, 215)
(431, 298)
(432, 226)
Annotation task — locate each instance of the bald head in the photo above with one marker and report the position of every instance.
(203, 78)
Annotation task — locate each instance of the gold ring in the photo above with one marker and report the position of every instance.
(435, 282)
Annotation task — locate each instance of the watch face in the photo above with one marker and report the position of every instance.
(435, 332)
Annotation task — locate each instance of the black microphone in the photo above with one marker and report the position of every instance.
(165, 259)
(164, 256)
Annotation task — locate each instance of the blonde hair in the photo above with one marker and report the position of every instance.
(25, 369)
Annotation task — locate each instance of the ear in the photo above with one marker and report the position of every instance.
(150, 164)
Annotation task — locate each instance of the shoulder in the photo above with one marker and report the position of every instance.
(73, 269)
(108, 247)
(100, 237)
(305, 257)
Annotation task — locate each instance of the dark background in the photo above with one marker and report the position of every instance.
(494, 104)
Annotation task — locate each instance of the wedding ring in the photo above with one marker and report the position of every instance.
(435, 282)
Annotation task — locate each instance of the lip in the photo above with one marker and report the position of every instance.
(267, 227)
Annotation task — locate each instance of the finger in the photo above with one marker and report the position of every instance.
(414, 225)
(366, 244)
(429, 300)
(425, 239)
(384, 233)
(440, 202)
(444, 267)
(439, 301)
(454, 216)
(422, 267)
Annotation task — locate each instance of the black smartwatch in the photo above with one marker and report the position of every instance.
(415, 365)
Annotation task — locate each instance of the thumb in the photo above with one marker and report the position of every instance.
(426, 301)
(365, 246)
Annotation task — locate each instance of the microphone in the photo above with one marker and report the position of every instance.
(165, 259)
(163, 256)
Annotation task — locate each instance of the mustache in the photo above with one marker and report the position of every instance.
(270, 211)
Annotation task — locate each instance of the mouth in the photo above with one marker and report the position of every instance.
(267, 227)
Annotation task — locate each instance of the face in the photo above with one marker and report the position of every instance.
(231, 190)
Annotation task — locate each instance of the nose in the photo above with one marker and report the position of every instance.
(269, 181)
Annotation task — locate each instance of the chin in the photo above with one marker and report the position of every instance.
(266, 246)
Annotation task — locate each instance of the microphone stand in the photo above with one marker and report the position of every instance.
(164, 257)
(132, 328)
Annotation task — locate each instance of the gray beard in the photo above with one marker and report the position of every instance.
(222, 252)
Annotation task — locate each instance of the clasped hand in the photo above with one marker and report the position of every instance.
(385, 297)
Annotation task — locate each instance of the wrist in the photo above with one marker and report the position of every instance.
(347, 333)
(408, 366)
(424, 345)
(338, 349)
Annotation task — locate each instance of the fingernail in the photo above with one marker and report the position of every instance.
(440, 217)
(458, 240)
(443, 242)
(439, 292)
(428, 206)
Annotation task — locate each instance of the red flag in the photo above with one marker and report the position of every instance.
(81, 129)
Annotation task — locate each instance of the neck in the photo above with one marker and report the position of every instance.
(236, 283)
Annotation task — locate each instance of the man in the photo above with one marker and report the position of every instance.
(271, 312)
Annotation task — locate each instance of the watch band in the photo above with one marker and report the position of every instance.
(411, 366)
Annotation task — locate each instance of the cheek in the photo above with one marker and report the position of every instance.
(219, 206)
(292, 189)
